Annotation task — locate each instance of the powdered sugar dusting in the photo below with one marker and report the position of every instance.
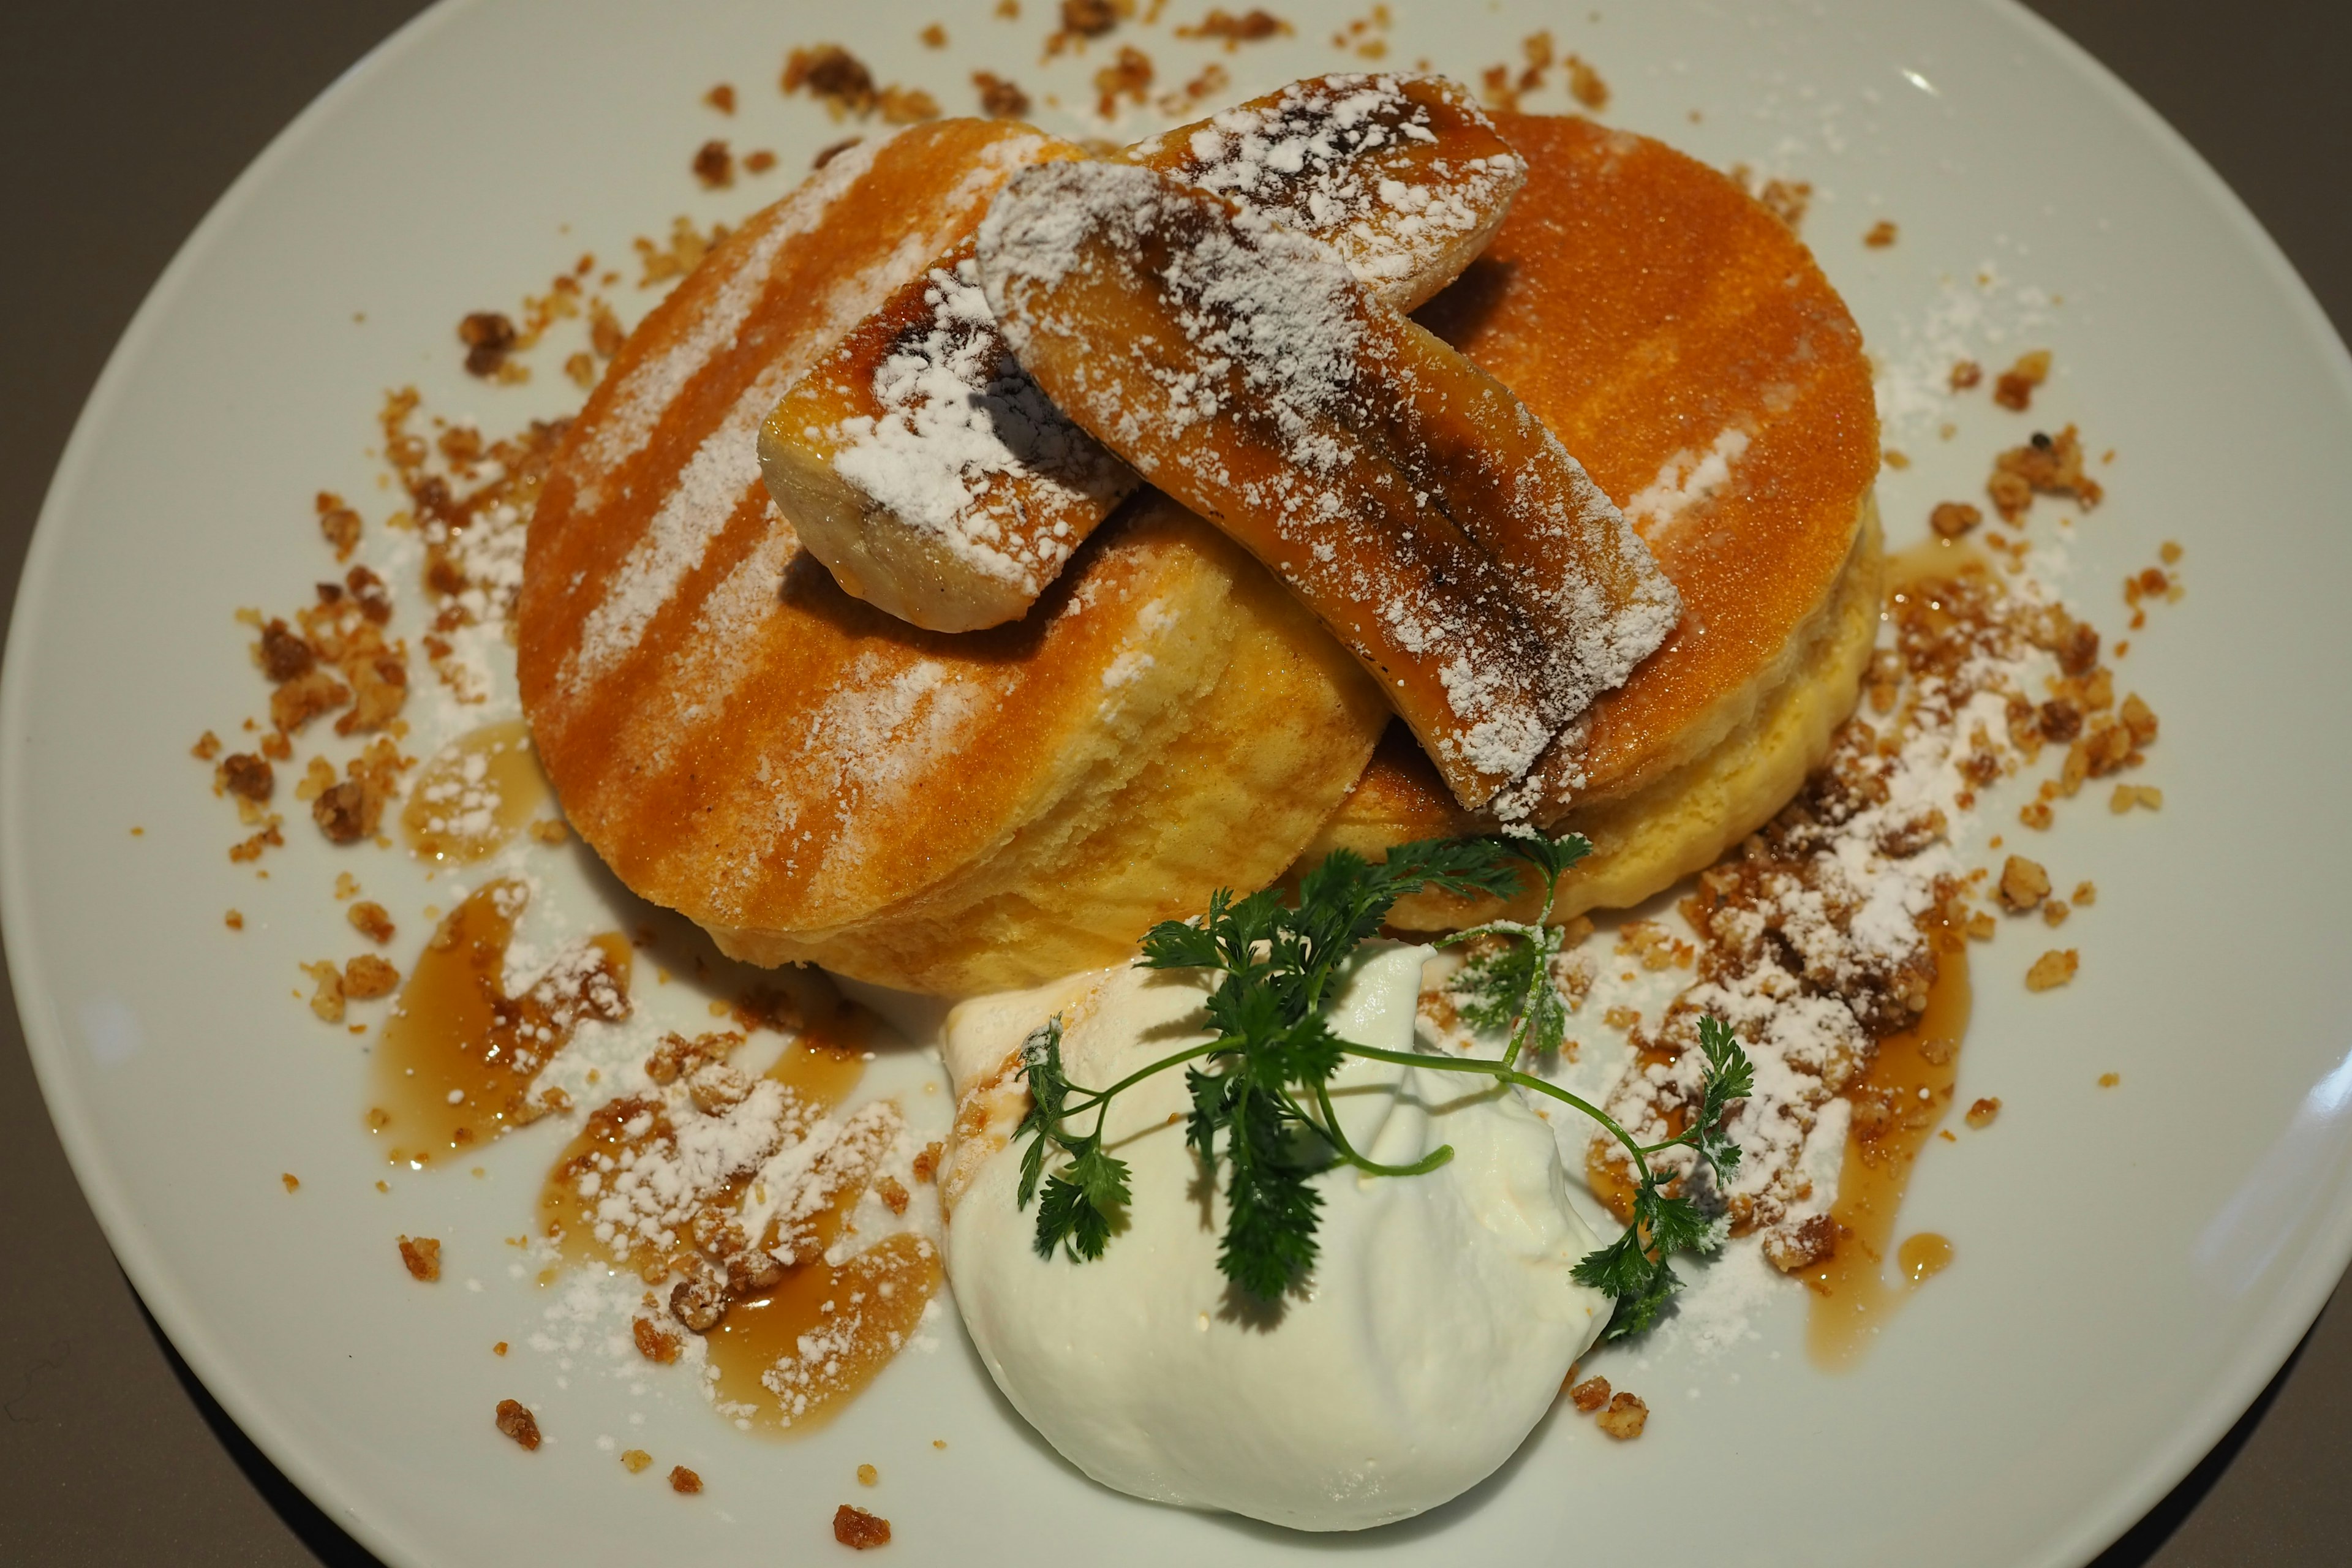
(1688, 478)
(654, 384)
(718, 482)
(967, 449)
(1509, 583)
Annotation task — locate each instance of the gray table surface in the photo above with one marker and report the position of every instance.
(122, 120)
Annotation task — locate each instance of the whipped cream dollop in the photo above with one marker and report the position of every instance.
(1432, 1335)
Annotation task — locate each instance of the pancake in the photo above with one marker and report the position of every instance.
(1683, 343)
(1680, 822)
(811, 780)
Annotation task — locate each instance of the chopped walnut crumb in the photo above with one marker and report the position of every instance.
(487, 335)
(2058, 721)
(207, 747)
(367, 977)
(282, 654)
(1496, 90)
(351, 810)
(2014, 389)
(854, 1527)
(1792, 1249)
(379, 691)
(497, 1349)
(758, 160)
(247, 776)
(1591, 1394)
(1129, 77)
(698, 1304)
(2109, 1079)
(721, 97)
(604, 333)
(2126, 796)
(234, 920)
(1787, 200)
(1980, 1115)
(550, 830)
(926, 1162)
(2053, 969)
(684, 1480)
(292, 1183)
(2023, 884)
(2055, 911)
(908, 106)
(1622, 1017)
(1966, 374)
(1882, 234)
(517, 1422)
(338, 523)
(327, 999)
(2138, 720)
(686, 248)
(1236, 30)
(636, 1460)
(834, 77)
(1585, 86)
(1980, 926)
(2050, 465)
(422, 1257)
(1952, 519)
(303, 699)
(2036, 815)
(934, 36)
(1625, 1419)
(869, 1475)
(714, 164)
(655, 1344)
(999, 99)
(1093, 18)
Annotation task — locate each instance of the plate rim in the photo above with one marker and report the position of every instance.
(2103, 1517)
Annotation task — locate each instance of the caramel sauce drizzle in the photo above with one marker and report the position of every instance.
(474, 795)
(1898, 1103)
(858, 1312)
(458, 1055)
(1892, 1122)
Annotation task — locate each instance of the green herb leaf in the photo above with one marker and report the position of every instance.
(1273, 1052)
(1728, 1075)
(1552, 857)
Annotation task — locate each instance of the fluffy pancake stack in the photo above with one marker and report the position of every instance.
(813, 779)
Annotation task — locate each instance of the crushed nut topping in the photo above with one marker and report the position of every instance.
(516, 1422)
(422, 1257)
(858, 1530)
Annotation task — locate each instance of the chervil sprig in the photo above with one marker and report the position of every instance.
(1508, 984)
(1261, 1107)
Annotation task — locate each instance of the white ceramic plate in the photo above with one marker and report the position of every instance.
(2134, 1263)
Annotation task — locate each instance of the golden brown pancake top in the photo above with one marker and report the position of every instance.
(1643, 304)
(721, 721)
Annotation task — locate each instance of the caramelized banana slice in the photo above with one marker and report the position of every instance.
(1415, 505)
(923, 466)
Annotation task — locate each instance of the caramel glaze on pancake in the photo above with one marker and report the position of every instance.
(1642, 304)
(811, 780)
